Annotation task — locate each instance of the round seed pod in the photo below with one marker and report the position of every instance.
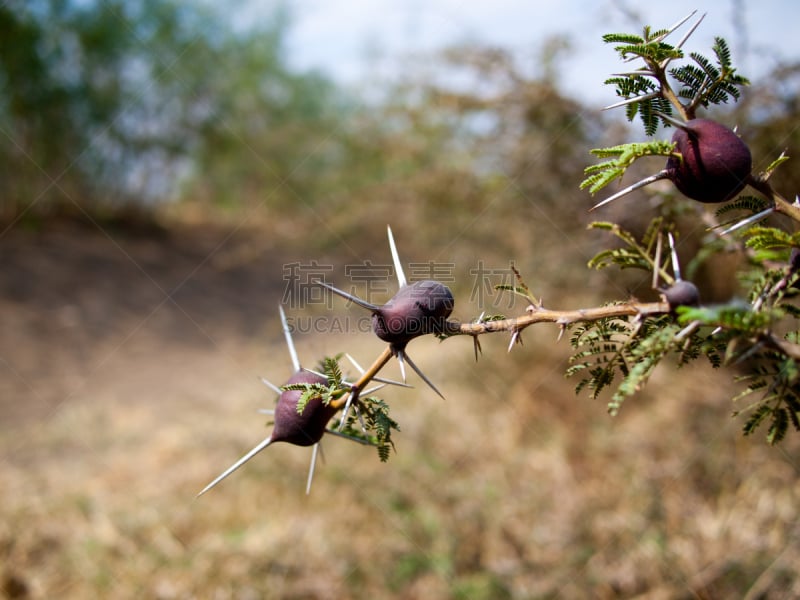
(714, 164)
(681, 293)
(416, 309)
(308, 427)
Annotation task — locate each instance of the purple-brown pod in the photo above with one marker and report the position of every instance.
(681, 293)
(714, 162)
(416, 309)
(711, 163)
(305, 428)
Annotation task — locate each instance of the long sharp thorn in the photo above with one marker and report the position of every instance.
(678, 24)
(401, 362)
(348, 437)
(632, 100)
(631, 188)
(259, 447)
(351, 297)
(361, 421)
(345, 411)
(266, 411)
(378, 379)
(391, 382)
(691, 29)
(352, 360)
(748, 221)
(657, 261)
(289, 342)
(676, 266)
(313, 372)
(514, 338)
(311, 467)
(374, 389)
(422, 376)
(671, 120)
(401, 276)
(637, 72)
(271, 385)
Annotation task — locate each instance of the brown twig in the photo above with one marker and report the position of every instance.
(782, 205)
(364, 380)
(560, 317)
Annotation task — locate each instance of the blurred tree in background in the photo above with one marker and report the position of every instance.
(110, 103)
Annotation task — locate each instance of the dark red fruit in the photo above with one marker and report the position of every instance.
(417, 309)
(714, 163)
(682, 293)
(308, 427)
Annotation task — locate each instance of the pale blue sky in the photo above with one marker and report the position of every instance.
(339, 36)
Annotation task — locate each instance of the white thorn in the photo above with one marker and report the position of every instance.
(361, 422)
(313, 372)
(378, 379)
(311, 467)
(266, 411)
(663, 174)
(657, 260)
(688, 330)
(514, 337)
(399, 355)
(352, 360)
(346, 411)
(671, 120)
(289, 342)
(748, 221)
(632, 100)
(691, 30)
(351, 297)
(674, 26)
(637, 72)
(271, 386)
(348, 437)
(676, 267)
(259, 447)
(401, 276)
(422, 375)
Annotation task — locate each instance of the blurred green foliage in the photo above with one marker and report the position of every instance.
(118, 103)
(113, 102)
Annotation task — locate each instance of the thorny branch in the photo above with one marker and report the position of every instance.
(537, 314)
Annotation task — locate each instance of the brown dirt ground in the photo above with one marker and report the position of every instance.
(129, 364)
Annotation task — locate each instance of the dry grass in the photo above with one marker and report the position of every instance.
(511, 488)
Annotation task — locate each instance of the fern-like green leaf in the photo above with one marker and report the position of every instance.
(778, 427)
(622, 38)
(758, 416)
(623, 156)
(332, 371)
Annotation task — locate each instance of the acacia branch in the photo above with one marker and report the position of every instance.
(364, 380)
(560, 317)
(782, 205)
